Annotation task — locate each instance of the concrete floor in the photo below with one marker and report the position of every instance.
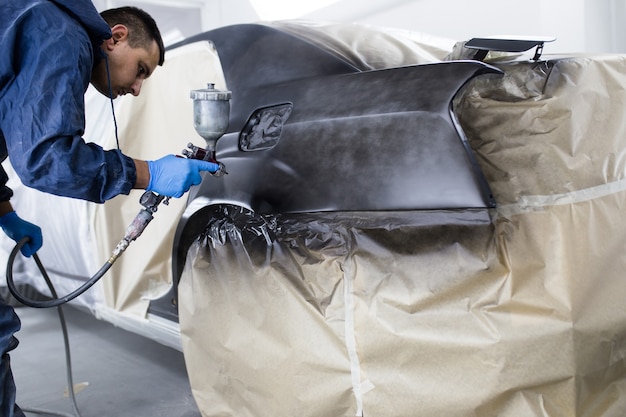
(121, 374)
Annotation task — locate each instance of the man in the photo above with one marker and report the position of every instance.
(51, 51)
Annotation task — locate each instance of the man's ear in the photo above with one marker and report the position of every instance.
(120, 33)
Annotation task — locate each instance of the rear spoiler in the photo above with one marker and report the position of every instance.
(507, 44)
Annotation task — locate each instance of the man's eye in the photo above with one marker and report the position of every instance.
(142, 70)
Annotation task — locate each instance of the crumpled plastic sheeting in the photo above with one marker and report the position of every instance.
(268, 311)
(403, 314)
(553, 128)
(368, 47)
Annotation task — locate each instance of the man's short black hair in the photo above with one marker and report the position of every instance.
(142, 29)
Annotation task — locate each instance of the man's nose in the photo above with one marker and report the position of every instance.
(136, 87)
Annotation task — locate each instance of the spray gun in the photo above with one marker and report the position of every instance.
(211, 112)
(211, 109)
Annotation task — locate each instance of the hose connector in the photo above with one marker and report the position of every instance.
(151, 202)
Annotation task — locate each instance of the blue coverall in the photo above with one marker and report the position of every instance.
(49, 48)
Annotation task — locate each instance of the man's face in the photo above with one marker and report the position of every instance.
(128, 67)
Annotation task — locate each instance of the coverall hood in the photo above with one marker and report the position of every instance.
(89, 18)
(50, 48)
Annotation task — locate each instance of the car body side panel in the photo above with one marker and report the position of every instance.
(360, 141)
(376, 140)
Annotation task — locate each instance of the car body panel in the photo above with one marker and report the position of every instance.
(373, 140)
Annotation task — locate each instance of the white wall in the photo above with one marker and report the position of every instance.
(579, 25)
(618, 28)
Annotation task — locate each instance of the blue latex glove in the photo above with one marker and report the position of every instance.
(173, 176)
(16, 229)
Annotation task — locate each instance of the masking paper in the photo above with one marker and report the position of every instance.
(516, 312)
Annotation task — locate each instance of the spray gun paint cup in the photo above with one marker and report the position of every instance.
(211, 112)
